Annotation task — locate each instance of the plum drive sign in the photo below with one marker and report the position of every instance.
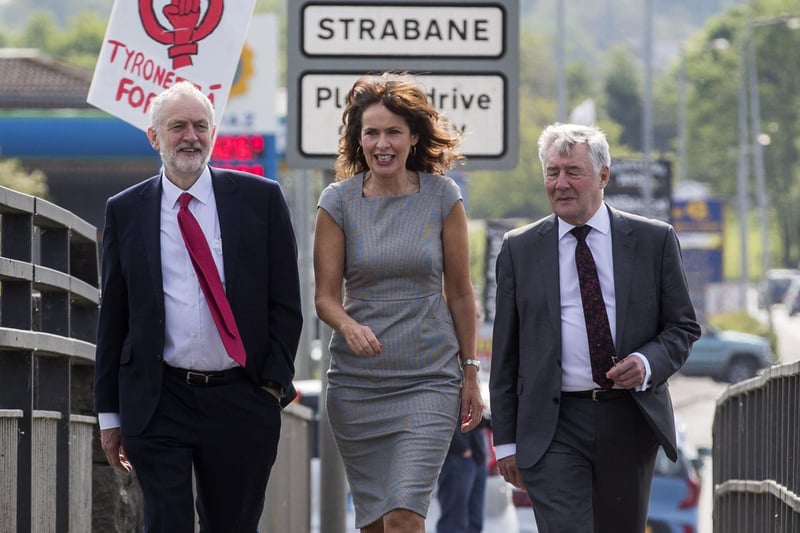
(464, 55)
(468, 100)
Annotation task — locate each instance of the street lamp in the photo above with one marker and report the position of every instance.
(647, 107)
(741, 175)
(561, 84)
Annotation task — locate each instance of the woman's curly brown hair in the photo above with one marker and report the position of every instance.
(437, 148)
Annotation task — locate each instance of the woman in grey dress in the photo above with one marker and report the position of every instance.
(391, 263)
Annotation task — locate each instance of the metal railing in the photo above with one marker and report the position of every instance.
(757, 454)
(49, 294)
(52, 473)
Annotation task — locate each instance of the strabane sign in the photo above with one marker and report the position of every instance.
(419, 31)
(465, 56)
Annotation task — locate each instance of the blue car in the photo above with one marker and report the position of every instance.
(725, 355)
(675, 495)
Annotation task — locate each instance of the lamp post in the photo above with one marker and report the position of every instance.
(561, 84)
(647, 107)
(758, 152)
(741, 175)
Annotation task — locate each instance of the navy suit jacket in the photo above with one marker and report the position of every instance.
(262, 286)
(655, 317)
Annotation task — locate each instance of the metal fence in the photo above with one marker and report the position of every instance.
(48, 317)
(49, 296)
(757, 454)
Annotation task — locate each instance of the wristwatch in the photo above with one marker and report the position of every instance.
(473, 362)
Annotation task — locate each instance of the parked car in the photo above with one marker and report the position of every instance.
(674, 495)
(499, 512)
(792, 299)
(725, 355)
(775, 284)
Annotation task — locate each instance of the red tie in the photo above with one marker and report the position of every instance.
(601, 344)
(209, 280)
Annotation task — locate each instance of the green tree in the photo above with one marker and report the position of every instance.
(15, 13)
(80, 43)
(39, 32)
(776, 45)
(519, 192)
(580, 83)
(712, 73)
(714, 77)
(623, 96)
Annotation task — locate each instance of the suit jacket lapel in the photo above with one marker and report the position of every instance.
(150, 221)
(548, 263)
(229, 213)
(623, 246)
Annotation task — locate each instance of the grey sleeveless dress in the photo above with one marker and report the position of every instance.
(393, 415)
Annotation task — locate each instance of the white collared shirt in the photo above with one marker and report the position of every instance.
(191, 339)
(576, 365)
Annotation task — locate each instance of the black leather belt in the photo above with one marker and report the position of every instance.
(199, 377)
(597, 395)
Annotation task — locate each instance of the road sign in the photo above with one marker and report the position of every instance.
(405, 30)
(464, 55)
(472, 103)
(628, 185)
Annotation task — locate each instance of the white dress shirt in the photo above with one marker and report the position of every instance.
(576, 364)
(191, 339)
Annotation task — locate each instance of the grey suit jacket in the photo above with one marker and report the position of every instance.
(655, 317)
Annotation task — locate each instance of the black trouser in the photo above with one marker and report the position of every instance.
(228, 433)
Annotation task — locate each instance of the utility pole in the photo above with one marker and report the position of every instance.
(561, 85)
(647, 111)
(743, 202)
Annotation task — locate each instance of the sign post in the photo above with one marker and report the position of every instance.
(465, 55)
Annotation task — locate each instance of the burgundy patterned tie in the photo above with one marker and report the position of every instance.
(601, 344)
(210, 282)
